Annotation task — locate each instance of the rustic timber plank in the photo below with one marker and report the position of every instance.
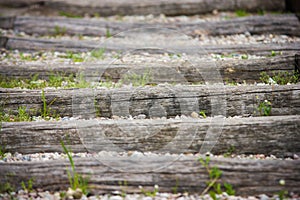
(173, 100)
(247, 176)
(7, 22)
(287, 24)
(253, 24)
(19, 3)
(138, 45)
(230, 70)
(145, 7)
(257, 135)
(173, 7)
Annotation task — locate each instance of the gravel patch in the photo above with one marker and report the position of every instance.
(118, 195)
(123, 57)
(41, 157)
(247, 38)
(214, 16)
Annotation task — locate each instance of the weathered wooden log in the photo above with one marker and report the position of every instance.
(254, 25)
(135, 7)
(257, 135)
(247, 176)
(20, 3)
(138, 44)
(275, 24)
(172, 7)
(230, 70)
(166, 100)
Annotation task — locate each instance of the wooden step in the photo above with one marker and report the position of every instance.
(175, 100)
(149, 135)
(19, 3)
(247, 176)
(172, 7)
(254, 135)
(138, 45)
(287, 24)
(234, 70)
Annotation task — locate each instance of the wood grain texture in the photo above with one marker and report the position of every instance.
(230, 70)
(168, 101)
(173, 7)
(277, 134)
(248, 177)
(138, 44)
(287, 24)
(145, 7)
(259, 135)
(20, 3)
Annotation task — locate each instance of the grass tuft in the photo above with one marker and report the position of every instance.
(280, 78)
(214, 187)
(76, 180)
(98, 53)
(241, 13)
(69, 15)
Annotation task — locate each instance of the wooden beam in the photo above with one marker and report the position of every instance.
(230, 70)
(175, 100)
(145, 7)
(20, 3)
(173, 7)
(257, 135)
(247, 176)
(287, 24)
(126, 45)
